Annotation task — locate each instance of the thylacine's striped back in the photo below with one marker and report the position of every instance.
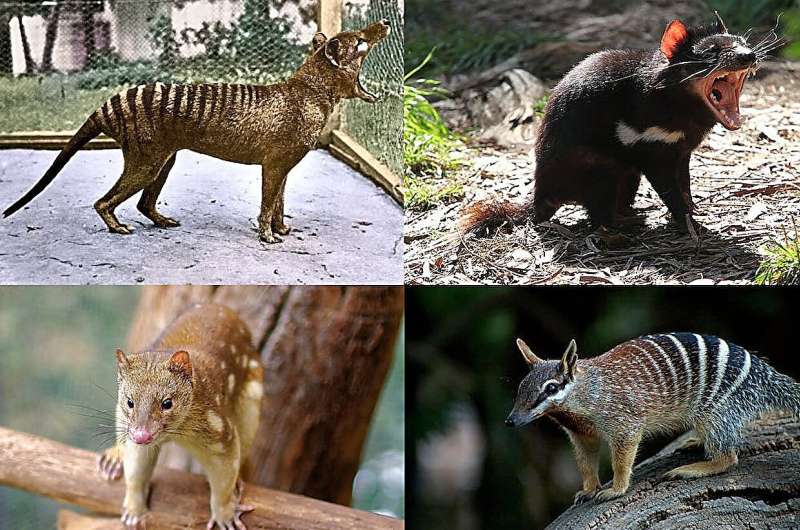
(686, 374)
(139, 113)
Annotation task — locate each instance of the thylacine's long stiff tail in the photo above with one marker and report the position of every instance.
(486, 216)
(87, 131)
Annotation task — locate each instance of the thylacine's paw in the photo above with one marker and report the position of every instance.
(235, 522)
(109, 464)
(165, 222)
(585, 496)
(121, 229)
(133, 521)
(608, 494)
(280, 228)
(268, 237)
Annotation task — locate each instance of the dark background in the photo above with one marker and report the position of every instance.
(466, 469)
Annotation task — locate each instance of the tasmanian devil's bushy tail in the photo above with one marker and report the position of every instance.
(87, 131)
(484, 216)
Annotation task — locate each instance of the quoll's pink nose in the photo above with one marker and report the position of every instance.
(141, 435)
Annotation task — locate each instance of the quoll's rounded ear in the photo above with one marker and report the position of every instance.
(527, 353)
(569, 359)
(672, 39)
(332, 48)
(180, 364)
(318, 40)
(122, 361)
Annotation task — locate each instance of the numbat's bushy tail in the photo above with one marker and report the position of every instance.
(655, 384)
(274, 126)
(621, 114)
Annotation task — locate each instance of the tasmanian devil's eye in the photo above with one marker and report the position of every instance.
(166, 404)
(130, 403)
(551, 388)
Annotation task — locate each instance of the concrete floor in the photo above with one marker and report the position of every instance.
(346, 230)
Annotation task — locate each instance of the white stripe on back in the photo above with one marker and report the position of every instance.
(647, 355)
(722, 365)
(701, 369)
(685, 357)
(668, 360)
(739, 379)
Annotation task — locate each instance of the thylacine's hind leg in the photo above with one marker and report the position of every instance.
(140, 171)
(147, 203)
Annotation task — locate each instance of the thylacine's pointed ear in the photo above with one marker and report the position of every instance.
(569, 360)
(527, 353)
(674, 36)
(720, 24)
(332, 51)
(122, 362)
(318, 40)
(180, 365)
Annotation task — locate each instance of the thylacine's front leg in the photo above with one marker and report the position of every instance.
(587, 449)
(623, 454)
(273, 178)
(279, 226)
(139, 461)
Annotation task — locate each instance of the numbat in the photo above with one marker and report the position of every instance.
(623, 113)
(654, 384)
(200, 386)
(274, 126)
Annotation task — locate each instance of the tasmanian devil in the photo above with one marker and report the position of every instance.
(271, 125)
(622, 113)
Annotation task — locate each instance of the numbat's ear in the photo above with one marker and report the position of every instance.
(179, 364)
(332, 51)
(527, 353)
(318, 40)
(122, 361)
(674, 36)
(569, 359)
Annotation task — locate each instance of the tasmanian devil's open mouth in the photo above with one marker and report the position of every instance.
(721, 94)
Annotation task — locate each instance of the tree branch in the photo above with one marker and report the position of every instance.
(178, 499)
(762, 491)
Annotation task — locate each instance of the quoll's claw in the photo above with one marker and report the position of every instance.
(234, 524)
(109, 465)
(132, 522)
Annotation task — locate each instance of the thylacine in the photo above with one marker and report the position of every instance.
(622, 113)
(274, 126)
(200, 386)
(661, 383)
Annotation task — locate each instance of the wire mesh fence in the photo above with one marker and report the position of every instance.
(378, 126)
(60, 59)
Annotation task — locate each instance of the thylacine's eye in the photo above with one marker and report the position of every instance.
(130, 403)
(550, 389)
(166, 404)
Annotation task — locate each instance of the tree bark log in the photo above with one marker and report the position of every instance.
(178, 500)
(326, 353)
(762, 491)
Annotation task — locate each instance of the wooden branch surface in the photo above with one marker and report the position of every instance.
(178, 499)
(762, 491)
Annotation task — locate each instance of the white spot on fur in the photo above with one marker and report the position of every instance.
(219, 399)
(243, 359)
(223, 364)
(233, 348)
(253, 364)
(629, 136)
(214, 421)
(362, 46)
(231, 383)
(254, 389)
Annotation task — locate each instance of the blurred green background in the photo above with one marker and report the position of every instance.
(57, 356)
(467, 470)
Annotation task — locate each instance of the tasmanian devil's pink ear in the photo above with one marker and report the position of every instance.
(179, 364)
(332, 51)
(674, 36)
(318, 40)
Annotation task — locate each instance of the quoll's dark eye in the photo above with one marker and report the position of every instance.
(166, 404)
(551, 388)
(130, 403)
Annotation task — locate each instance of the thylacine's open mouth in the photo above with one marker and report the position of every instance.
(721, 93)
(376, 32)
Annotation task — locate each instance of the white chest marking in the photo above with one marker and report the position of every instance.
(629, 136)
(362, 47)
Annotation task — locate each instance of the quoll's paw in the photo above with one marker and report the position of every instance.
(608, 494)
(109, 464)
(133, 522)
(235, 523)
(584, 496)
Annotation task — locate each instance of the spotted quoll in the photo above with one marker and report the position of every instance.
(199, 385)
